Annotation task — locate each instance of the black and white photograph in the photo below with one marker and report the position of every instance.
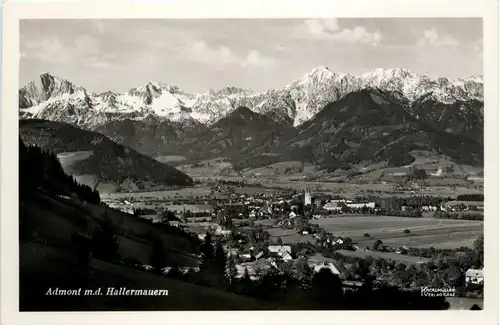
(250, 164)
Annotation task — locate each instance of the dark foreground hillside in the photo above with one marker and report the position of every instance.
(44, 267)
(48, 220)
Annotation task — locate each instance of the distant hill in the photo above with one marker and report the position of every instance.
(151, 136)
(90, 153)
(461, 117)
(372, 125)
(241, 134)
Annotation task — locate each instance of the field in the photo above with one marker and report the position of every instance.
(69, 158)
(212, 167)
(425, 232)
(289, 236)
(265, 222)
(399, 258)
(169, 194)
(170, 159)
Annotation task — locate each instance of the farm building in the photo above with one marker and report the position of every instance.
(246, 257)
(370, 205)
(326, 265)
(232, 252)
(462, 206)
(474, 276)
(332, 206)
(337, 206)
(282, 251)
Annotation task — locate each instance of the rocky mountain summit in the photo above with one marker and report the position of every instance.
(57, 99)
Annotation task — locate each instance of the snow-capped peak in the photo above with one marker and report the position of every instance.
(58, 99)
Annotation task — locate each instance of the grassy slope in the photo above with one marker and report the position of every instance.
(54, 268)
(54, 219)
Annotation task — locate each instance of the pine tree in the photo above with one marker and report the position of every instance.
(219, 260)
(246, 274)
(207, 253)
(231, 270)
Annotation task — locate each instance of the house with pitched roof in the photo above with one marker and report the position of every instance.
(282, 251)
(474, 276)
(326, 265)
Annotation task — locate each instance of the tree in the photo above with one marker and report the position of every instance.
(219, 260)
(246, 274)
(362, 269)
(418, 174)
(326, 289)
(207, 252)
(437, 282)
(345, 208)
(302, 269)
(479, 244)
(479, 250)
(407, 231)
(230, 271)
(279, 241)
(377, 245)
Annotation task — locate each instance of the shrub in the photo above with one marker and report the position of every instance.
(407, 231)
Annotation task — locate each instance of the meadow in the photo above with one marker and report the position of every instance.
(398, 258)
(424, 232)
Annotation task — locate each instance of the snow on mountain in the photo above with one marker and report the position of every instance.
(57, 99)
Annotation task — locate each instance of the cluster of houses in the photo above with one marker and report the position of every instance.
(337, 205)
(456, 206)
(275, 255)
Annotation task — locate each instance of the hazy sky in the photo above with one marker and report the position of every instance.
(198, 55)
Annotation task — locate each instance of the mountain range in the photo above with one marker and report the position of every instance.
(325, 117)
(58, 99)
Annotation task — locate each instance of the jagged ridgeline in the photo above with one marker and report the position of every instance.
(325, 117)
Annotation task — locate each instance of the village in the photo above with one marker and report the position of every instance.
(249, 228)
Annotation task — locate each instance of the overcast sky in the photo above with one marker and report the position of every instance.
(198, 55)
